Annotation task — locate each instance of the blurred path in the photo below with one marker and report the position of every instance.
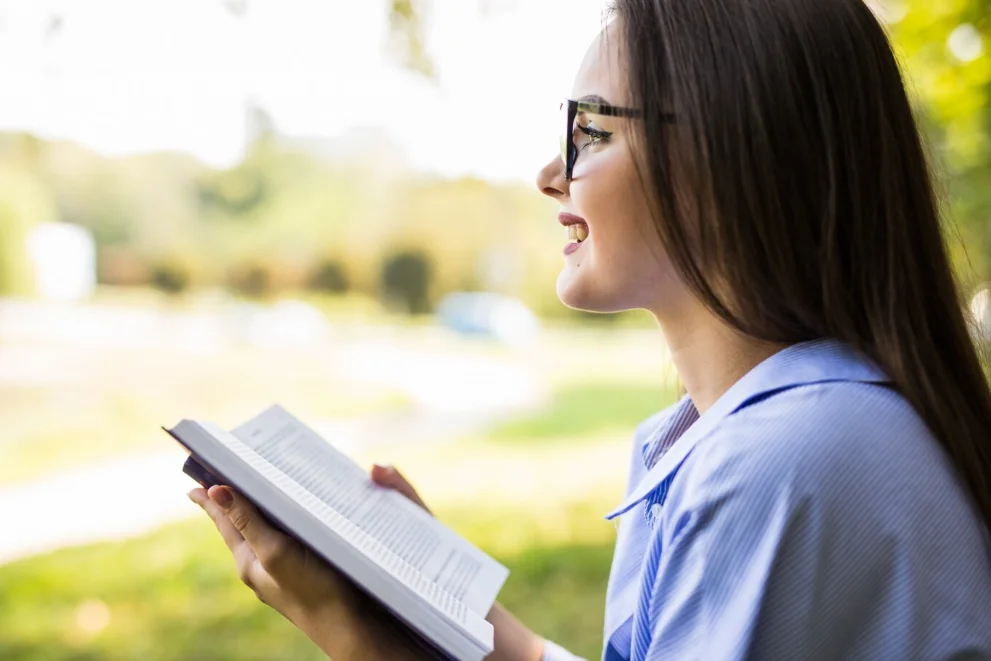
(453, 395)
(131, 496)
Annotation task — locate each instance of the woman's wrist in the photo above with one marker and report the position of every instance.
(344, 635)
(513, 640)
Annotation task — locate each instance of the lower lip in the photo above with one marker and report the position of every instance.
(570, 247)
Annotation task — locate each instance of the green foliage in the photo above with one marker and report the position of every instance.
(330, 277)
(234, 192)
(954, 97)
(406, 24)
(15, 269)
(253, 279)
(406, 280)
(24, 201)
(171, 277)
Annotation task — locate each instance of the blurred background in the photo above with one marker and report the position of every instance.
(207, 206)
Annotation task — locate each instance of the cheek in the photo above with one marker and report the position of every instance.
(625, 266)
(621, 227)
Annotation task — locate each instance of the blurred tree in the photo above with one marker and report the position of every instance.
(253, 279)
(330, 276)
(233, 192)
(24, 202)
(171, 277)
(406, 27)
(406, 280)
(945, 48)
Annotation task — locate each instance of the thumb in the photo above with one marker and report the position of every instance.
(390, 478)
(267, 543)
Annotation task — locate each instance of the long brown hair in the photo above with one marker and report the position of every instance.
(794, 195)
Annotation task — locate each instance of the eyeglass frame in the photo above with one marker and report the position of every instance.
(569, 151)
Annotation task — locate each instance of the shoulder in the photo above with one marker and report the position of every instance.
(826, 509)
(822, 439)
(838, 459)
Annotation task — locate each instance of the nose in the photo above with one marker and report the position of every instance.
(550, 179)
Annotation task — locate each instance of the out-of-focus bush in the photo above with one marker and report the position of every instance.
(251, 279)
(121, 266)
(406, 282)
(170, 276)
(15, 269)
(24, 202)
(330, 276)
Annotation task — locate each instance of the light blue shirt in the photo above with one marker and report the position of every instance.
(808, 514)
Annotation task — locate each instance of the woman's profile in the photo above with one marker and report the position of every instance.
(750, 172)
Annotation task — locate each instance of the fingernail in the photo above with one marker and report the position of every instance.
(192, 497)
(222, 496)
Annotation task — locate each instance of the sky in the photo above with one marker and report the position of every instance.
(129, 76)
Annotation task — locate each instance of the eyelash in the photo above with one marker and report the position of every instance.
(595, 135)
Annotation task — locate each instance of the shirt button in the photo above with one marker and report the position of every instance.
(655, 510)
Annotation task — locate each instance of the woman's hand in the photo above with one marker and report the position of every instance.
(303, 588)
(290, 578)
(283, 573)
(389, 478)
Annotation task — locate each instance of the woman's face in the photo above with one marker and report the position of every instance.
(620, 265)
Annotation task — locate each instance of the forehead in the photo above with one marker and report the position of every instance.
(603, 71)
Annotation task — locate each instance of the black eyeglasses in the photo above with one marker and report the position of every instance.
(571, 108)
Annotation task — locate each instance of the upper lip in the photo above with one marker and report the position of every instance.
(570, 219)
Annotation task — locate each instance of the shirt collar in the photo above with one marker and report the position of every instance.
(805, 363)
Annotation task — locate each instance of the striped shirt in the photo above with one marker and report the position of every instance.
(808, 514)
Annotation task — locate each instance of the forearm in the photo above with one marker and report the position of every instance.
(347, 631)
(513, 640)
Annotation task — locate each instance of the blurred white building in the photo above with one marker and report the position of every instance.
(64, 260)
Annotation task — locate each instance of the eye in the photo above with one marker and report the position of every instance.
(594, 136)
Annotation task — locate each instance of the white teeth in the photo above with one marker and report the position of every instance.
(577, 232)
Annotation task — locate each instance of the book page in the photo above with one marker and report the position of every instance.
(408, 532)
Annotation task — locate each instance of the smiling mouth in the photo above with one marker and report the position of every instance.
(576, 229)
(577, 232)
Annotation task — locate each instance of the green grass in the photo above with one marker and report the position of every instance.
(585, 411)
(174, 594)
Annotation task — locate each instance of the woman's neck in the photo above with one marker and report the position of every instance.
(709, 355)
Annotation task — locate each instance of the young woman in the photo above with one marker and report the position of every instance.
(750, 172)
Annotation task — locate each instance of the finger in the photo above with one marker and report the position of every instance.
(231, 536)
(244, 557)
(389, 477)
(269, 545)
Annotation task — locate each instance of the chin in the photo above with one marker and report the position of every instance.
(579, 294)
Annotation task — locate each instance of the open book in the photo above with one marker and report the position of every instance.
(429, 582)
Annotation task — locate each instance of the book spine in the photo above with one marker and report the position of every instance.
(199, 473)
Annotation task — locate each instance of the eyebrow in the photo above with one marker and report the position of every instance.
(593, 98)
